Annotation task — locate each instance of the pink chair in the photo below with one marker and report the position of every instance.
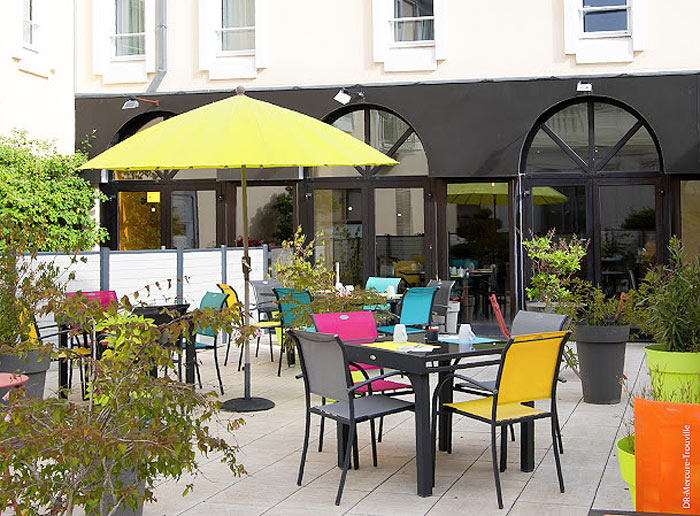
(358, 327)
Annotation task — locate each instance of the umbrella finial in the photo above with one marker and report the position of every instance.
(240, 90)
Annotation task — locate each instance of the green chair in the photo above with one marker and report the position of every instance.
(294, 305)
(211, 301)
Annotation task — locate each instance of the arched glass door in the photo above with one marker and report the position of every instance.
(605, 161)
(373, 219)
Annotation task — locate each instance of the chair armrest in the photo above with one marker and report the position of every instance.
(475, 383)
(360, 369)
(373, 379)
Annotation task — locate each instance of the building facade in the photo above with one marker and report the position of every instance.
(37, 70)
(507, 118)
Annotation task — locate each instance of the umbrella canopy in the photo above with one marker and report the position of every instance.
(239, 132)
(484, 194)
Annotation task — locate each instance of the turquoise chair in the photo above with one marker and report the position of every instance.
(216, 301)
(293, 305)
(381, 285)
(416, 308)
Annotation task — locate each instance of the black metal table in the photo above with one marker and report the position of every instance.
(154, 312)
(418, 367)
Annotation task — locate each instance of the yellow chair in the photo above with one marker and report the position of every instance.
(232, 301)
(528, 372)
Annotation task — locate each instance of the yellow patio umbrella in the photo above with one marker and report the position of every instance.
(239, 132)
(482, 194)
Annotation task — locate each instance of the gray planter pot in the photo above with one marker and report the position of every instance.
(601, 356)
(126, 477)
(34, 365)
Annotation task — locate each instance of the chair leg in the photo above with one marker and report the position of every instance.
(272, 355)
(555, 416)
(346, 463)
(218, 370)
(512, 432)
(228, 348)
(199, 376)
(557, 462)
(381, 429)
(494, 458)
(240, 355)
(307, 429)
(282, 346)
(374, 442)
(322, 429)
(504, 448)
(257, 347)
(356, 452)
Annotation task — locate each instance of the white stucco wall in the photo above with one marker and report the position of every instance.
(330, 42)
(37, 92)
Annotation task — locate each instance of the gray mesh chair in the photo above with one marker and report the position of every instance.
(524, 323)
(442, 297)
(326, 373)
(266, 305)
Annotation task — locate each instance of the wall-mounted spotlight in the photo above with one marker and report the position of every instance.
(344, 96)
(133, 102)
(584, 87)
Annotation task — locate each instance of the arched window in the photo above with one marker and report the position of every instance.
(385, 131)
(591, 135)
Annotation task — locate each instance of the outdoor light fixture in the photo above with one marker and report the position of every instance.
(133, 102)
(584, 87)
(344, 95)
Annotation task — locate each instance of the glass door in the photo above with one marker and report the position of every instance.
(338, 226)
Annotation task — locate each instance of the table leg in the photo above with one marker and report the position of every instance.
(445, 420)
(424, 446)
(527, 443)
(62, 363)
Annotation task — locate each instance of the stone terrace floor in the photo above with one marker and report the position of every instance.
(270, 449)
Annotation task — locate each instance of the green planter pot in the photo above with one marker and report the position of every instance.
(601, 355)
(625, 455)
(34, 365)
(676, 375)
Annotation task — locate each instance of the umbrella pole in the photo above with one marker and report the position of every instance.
(246, 403)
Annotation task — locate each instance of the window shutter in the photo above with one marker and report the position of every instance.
(102, 14)
(207, 34)
(149, 21)
(441, 18)
(261, 21)
(571, 25)
(381, 13)
(637, 15)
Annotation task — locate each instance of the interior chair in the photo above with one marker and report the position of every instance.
(382, 284)
(499, 316)
(294, 306)
(524, 323)
(528, 372)
(416, 307)
(233, 302)
(210, 301)
(326, 373)
(359, 327)
(442, 298)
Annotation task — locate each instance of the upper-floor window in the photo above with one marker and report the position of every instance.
(605, 18)
(130, 33)
(413, 21)
(237, 31)
(30, 27)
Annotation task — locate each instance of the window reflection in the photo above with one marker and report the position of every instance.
(399, 233)
(690, 217)
(193, 219)
(270, 215)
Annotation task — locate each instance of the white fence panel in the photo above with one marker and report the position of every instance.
(131, 271)
(234, 270)
(86, 269)
(202, 270)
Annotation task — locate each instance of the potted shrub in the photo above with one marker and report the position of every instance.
(601, 331)
(105, 454)
(670, 312)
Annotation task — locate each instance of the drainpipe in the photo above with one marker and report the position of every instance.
(161, 46)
